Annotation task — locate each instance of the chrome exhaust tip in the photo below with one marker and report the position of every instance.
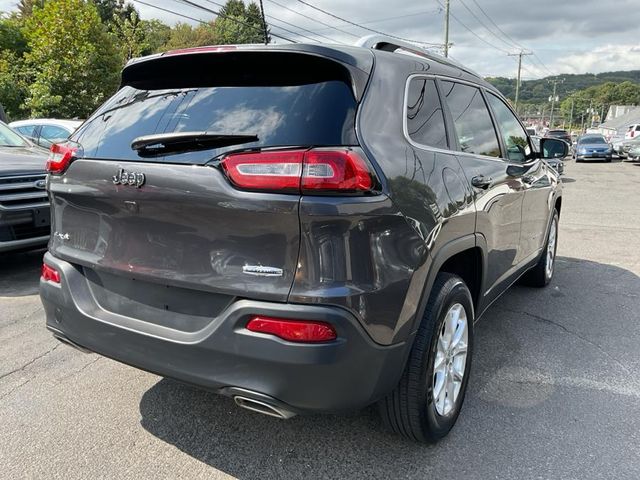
(263, 407)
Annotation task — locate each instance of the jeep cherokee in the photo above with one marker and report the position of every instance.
(304, 228)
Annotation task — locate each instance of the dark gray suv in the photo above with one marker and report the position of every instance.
(303, 228)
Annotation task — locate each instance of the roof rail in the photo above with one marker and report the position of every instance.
(388, 44)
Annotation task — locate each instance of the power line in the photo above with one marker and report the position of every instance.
(508, 37)
(365, 28)
(380, 20)
(472, 32)
(487, 28)
(235, 20)
(169, 11)
(272, 17)
(314, 19)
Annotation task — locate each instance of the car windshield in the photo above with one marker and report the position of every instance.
(9, 138)
(593, 140)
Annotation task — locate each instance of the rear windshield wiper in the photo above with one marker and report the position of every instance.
(182, 142)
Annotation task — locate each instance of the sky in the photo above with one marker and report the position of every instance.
(565, 36)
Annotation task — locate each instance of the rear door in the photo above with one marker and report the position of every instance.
(175, 219)
(498, 195)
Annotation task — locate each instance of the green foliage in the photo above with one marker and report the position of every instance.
(73, 64)
(599, 98)
(538, 91)
(184, 35)
(26, 7)
(156, 35)
(108, 9)
(239, 24)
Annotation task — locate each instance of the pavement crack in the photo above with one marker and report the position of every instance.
(572, 333)
(83, 368)
(13, 322)
(30, 362)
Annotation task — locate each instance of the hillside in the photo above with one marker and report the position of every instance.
(538, 91)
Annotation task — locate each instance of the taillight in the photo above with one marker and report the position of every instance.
(274, 170)
(60, 156)
(300, 171)
(335, 170)
(49, 274)
(304, 331)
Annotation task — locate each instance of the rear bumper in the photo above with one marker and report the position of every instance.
(351, 372)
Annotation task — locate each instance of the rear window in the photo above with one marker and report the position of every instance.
(307, 110)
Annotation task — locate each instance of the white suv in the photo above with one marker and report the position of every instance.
(633, 131)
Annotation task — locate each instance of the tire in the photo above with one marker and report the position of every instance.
(540, 275)
(411, 409)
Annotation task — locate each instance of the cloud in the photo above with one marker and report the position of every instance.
(567, 36)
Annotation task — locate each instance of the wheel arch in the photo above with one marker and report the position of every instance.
(465, 257)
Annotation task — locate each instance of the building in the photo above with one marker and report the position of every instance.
(618, 124)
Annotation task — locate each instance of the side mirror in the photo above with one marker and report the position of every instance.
(553, 148)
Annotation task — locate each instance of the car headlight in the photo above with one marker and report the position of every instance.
(582, 151)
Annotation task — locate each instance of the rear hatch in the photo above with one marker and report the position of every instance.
(143, 223)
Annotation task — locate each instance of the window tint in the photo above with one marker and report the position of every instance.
(27, 130)
(425, 120)
(320, 114)
(472, 120)
(513, 135)
(52, 134)
(10, 138)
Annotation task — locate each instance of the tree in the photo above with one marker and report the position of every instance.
(156, 35)
(131, 37)
(13, 45)
(237, 24)
(184, 35)
(25, 7)
(108, 9)
(73, 64)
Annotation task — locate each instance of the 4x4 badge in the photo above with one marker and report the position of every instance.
(135, 179)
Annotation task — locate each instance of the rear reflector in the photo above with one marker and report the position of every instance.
(304, 331)
(60, 156)
(301, 171)
(49, 274)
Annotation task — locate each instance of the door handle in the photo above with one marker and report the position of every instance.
(480, 181)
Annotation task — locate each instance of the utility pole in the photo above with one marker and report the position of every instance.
(519, 55)
(446, 28)
(571, 115)
(264, 25)
(553, 99)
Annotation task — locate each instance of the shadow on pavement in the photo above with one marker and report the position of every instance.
(20, 273)
(524, 407)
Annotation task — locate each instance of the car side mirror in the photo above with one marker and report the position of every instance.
(553, 148)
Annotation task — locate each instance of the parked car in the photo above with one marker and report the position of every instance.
(628, 144)
(556, 163)
(561, 134)
(633, 131)
(634, 152)
(46, 132)
(302, 240)
(593, 147)
(24, 205)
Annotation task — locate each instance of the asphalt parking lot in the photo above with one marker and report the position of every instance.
(555, 390)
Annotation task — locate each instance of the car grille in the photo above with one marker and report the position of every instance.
(19, 192)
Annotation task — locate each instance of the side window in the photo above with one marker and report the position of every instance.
(472, 119)
(425, 120)
(28, 130)
(52, 134)
(514, 136)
